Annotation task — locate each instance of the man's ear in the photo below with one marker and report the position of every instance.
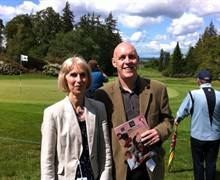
(113, 62)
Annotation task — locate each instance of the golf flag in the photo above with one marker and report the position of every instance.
(24, 58)
(172, 146)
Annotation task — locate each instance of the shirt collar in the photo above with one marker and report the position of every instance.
(205, 85)
(136, 88)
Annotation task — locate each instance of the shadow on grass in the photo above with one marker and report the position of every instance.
(217, 175)
(190, 169)
(180, 170)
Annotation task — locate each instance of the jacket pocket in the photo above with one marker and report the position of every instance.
(60, 170)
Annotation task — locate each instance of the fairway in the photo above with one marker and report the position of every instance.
(21, 111)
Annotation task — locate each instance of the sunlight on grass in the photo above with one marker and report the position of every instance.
(21, 113)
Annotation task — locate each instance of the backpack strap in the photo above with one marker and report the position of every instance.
(211, 101)
(192, 108)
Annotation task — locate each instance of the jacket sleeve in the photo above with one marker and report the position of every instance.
(105, 157)
(185, 108)
(166, 120)
(48, 146)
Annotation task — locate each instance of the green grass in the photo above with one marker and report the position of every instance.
(21, 109)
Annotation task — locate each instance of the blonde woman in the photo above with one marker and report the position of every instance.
(75, 140)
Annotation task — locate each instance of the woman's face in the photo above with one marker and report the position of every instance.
(77, 80)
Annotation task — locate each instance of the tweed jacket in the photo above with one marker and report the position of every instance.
(153, 100)
(62, 141)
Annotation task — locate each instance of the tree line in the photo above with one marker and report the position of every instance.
(48, 36)
(204, 55)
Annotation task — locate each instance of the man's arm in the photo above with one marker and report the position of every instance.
(161, 131)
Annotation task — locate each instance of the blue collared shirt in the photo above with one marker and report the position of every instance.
(201, 128)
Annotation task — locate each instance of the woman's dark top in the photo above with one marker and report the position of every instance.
(84, 159)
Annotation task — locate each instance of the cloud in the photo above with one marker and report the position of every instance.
(184, 18)
(139, 36)
(136, 36)
(27, 7)
(160, 37)
(131, 21)
(203, 8)
(7, 12)
(187, 23)
(137, 21)
(187, 40)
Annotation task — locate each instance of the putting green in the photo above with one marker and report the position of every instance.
(172, 93)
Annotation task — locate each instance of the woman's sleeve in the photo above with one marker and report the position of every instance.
(48, 146)
(105, 157)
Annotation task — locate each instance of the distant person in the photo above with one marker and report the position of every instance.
(75, 142)
(98, 78)
(128, 97)
(204, 106)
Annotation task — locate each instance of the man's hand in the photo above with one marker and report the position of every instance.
(150, 137)
(176, 121)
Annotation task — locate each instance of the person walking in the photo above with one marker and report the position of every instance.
(204, 106)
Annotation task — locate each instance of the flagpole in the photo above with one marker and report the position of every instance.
(22, 58)
(20, 75)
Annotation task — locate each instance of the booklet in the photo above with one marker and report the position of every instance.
(129, 136)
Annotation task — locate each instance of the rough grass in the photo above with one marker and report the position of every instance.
(21, 111)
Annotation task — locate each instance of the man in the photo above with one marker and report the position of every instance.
(130, 96)
(204, 106)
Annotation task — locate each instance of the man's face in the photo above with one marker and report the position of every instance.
(125, 60)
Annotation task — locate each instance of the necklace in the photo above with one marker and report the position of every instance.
(80, 113)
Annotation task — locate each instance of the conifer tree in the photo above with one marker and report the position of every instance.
(177, 62)
(1, 34)
(67, 18)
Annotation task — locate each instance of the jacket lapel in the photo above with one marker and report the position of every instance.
(144, 97)
(70, 116)
(118, 102)
(90, 117)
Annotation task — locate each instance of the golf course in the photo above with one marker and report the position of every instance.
(23, 99)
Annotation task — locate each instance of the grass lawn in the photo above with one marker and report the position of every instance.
(21, 109)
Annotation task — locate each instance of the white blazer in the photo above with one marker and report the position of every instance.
(61, 144)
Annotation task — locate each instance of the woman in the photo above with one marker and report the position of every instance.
(75, 140)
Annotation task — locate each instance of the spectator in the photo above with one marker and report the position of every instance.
(98, 78)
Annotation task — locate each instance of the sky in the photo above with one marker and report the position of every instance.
(150, 25)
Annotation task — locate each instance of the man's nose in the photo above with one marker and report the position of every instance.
(127, 59)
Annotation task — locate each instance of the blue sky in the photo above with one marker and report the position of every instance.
(148, 24)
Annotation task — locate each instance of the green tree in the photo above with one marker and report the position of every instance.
(112, 38)
(160, 67)
(1, 34)
(207, 51)
(105, 36)
(47, 24)
(176, 62)
(190, 64)
(67, 18)
(19, 36)
(163, 60)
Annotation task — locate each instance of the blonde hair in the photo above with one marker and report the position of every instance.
(67, 66)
